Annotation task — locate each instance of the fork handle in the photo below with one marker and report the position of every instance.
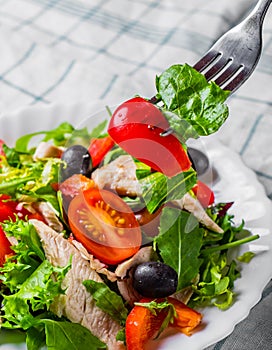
(256, 16)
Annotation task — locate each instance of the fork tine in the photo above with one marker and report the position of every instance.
(206, 60)
(217, 67)
(228, 73)
(237, 80)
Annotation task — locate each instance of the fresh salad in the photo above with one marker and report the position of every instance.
(108, 239)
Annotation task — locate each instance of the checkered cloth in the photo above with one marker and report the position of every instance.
(63, 51)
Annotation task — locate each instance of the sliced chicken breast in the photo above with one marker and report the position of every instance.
(119, 175)
(77, 304)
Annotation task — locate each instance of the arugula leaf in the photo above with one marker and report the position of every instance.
(107, 300)
(12, 156)
(219, 270)
(217, 282)
(158, 188)
(11, 337)
(58, 135)
(180, 233)
(186, 92)
(246, 257)
(35, 338)
(99, 130)
(60, 335)
(113, 154)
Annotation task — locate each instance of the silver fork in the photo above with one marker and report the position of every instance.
(233, 58)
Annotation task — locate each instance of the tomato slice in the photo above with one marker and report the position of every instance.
(98, 148)
(105, 225)
(5, 247)
(203, 193)
(136, 126)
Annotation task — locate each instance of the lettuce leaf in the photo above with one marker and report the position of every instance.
(28, 254)
(35, 294)
(31, 179)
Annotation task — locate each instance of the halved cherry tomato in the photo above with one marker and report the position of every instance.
(142, 325)
(187, 319)
(98, 148)
(203, 193)
(136, 126)
(105, 225)
(5, 249)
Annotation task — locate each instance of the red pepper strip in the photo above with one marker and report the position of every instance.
(98, 148)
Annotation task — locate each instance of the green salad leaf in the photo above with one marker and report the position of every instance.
(219, 270)
(58, 135)
(31, 179)
(158, 188)
(186, 92)
(35, 294)
(28, 254)
(107, 300)
(179, 243)
(63, 335)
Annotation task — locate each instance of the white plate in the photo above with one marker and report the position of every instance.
(234, 182)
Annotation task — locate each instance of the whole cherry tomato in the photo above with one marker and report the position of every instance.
(203, 193)
(136, 126)
(105, 225)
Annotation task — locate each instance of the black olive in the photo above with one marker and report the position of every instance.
(199, 160)
(77, 161)
(155, 279)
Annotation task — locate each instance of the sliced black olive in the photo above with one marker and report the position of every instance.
(155, 279)
(77, 161)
